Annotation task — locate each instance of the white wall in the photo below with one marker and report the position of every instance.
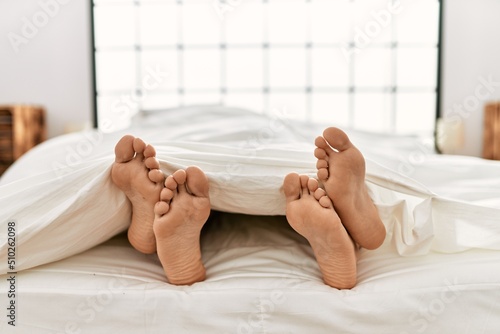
(54, 67)
(471, 51)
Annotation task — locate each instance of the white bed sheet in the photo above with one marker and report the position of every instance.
(442, 218)
(261, 278)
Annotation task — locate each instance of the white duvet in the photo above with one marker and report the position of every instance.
(63, 201)
(437, 272)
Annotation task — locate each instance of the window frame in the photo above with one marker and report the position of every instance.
(352, 88)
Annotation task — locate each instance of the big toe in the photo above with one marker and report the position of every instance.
(292, 186)
(337, 139)
(197, 181)
(124, 149)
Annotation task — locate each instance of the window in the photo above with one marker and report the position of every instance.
(365, 64)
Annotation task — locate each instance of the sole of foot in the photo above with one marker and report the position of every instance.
(341, 169)
(136, 172)
(310, 212)
(181, 213)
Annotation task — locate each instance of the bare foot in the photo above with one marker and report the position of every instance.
(136, 172)
(179, 217)
(341, 168)
(310, 212)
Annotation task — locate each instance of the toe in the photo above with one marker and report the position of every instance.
(166, 194)
(124, 149)
(337, 139)
(180, 177)
(149, 151)
(156, 176)
(319, 193)
(291, 187)
(197, 181)
(139, 146)
(170, 183)
(325, 202)
(152, 163)
(304, 180)
(161, 208)
(322, 174)
(312, 185)
(320, 153)
(321, 143)
(321, 164)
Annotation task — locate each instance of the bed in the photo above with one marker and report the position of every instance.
(75, 272)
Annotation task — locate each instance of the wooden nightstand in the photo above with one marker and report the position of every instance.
(21, 128)
(491, 137)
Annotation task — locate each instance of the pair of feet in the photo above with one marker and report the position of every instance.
(169, 213)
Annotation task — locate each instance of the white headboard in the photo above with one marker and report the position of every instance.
(364, 64)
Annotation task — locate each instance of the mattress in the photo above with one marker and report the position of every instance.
(437, 271)
(261, 278)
